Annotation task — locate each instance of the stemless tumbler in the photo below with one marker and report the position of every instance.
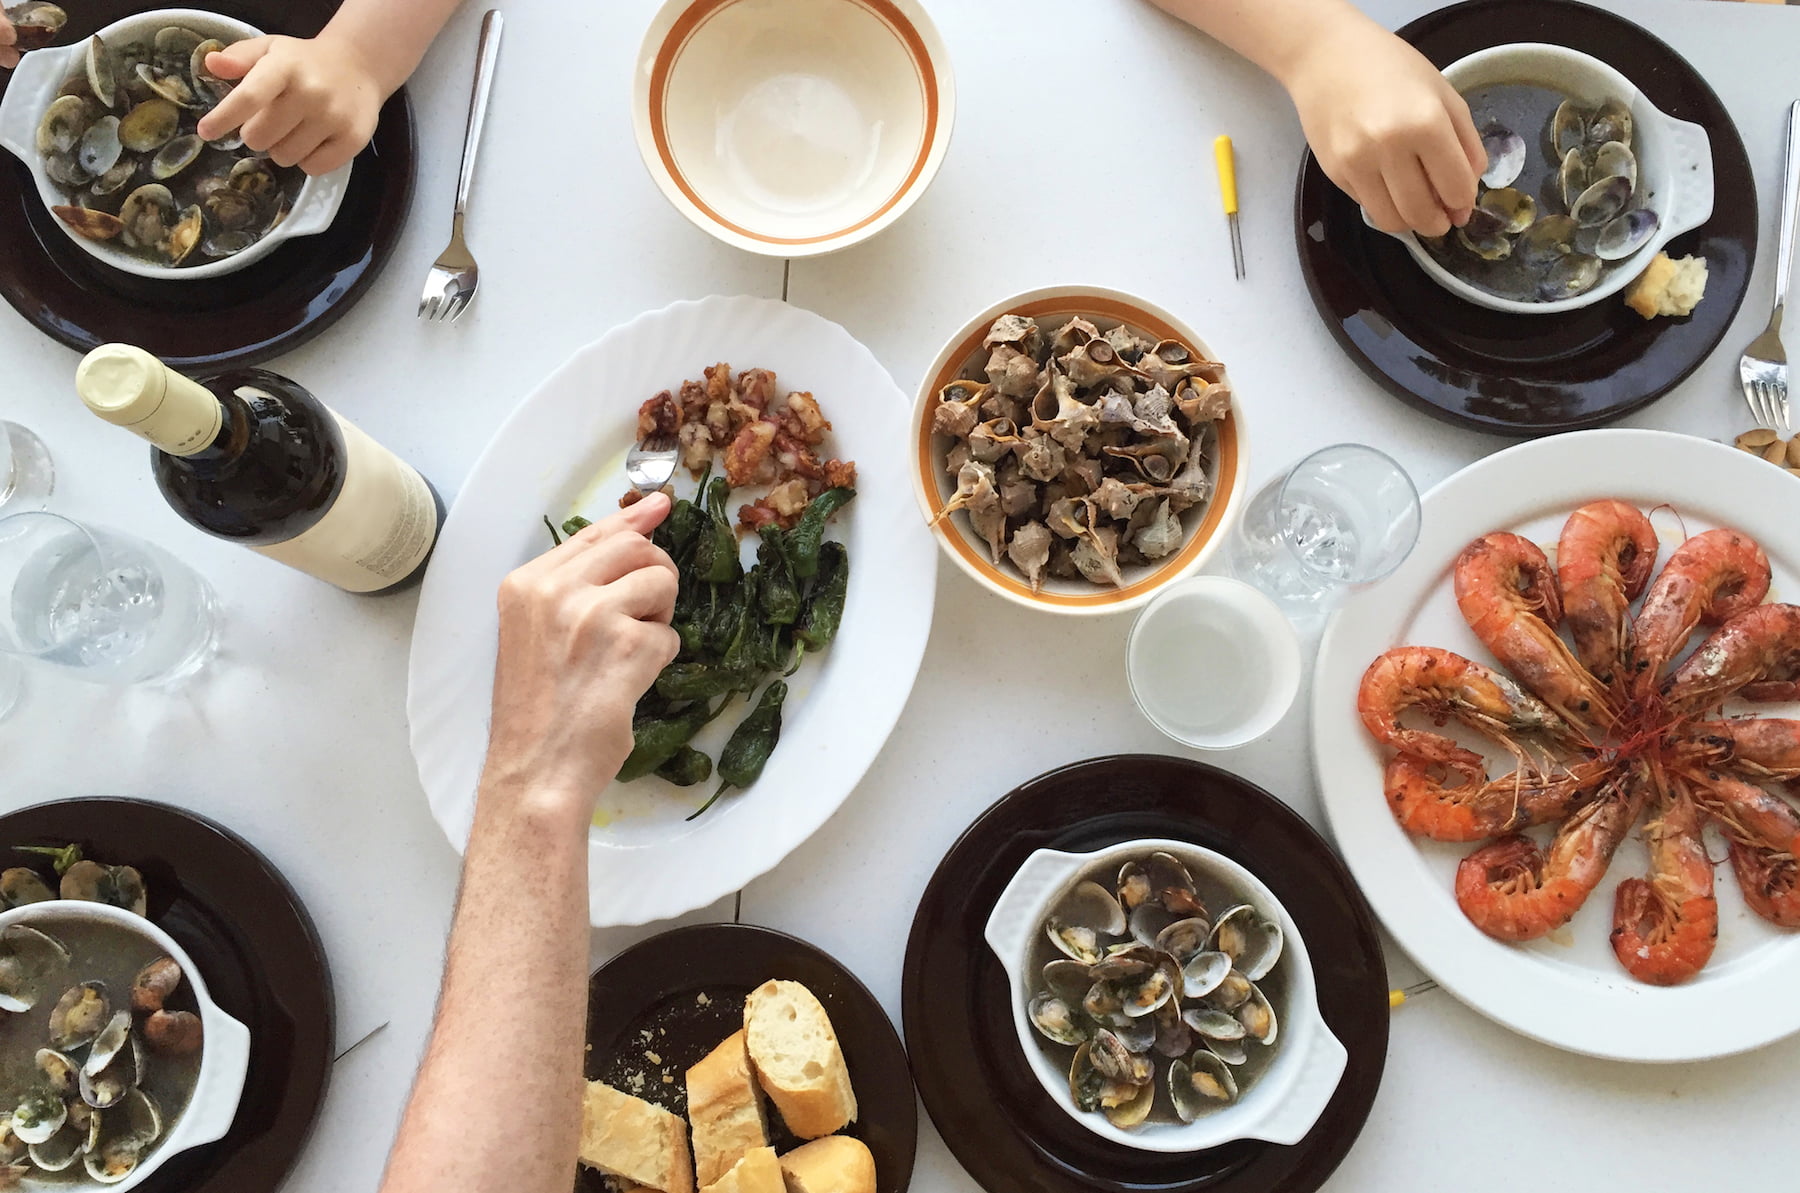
(26, 475)
(1344, 516)
(107, 607)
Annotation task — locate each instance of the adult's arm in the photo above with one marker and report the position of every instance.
(583, 633)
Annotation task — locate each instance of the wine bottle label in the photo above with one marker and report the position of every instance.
(379, 530)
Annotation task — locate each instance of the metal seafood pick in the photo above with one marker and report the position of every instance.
(1227, 162)
(450, 285)
(1763, 369)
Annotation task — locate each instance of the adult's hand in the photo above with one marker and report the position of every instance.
(584, 632)
(9, 40)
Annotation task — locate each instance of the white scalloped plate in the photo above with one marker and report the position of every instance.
(562, 451)
(1569, 991)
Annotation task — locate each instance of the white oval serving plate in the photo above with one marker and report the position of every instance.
(562, 451)
(1567, 990)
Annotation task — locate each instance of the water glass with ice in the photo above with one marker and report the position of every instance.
(1341, 519)
(26, 475)
(106, 607)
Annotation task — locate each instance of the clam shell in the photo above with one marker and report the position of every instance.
(61, 1150)
(1213, 1024)
(1610, 122)
(61, 127)
(1068, 980)
(1203, 973)
(39, 1116)
(1568, 127)
(1200, 1083)
(150, 125)
(1548, 239)
(100, 149)
(1505, 154)
(1615, 160)
(1601, 202)
(102, 72)
(1232, 1052)
(1258, 1018)
(1056, 1020)
(1133, 1112)
(113, 1039)
(1573, 275)
(1574, 176)
(1184, 938)
(1626, 235)
(95, 225)
(80, 1015)
(176, 156)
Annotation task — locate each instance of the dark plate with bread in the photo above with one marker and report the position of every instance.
(727, 1058)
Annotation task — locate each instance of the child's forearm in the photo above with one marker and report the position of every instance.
(390, 36)
(1274, 34)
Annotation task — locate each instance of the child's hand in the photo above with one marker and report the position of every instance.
(1388, 129)
(9, 57)
(311, 103)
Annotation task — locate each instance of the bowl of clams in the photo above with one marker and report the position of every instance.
(1586, 182)
(1078, 449)
(115, 1056)
(108, 127)
(1164, 998)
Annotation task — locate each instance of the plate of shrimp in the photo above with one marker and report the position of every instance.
(1559, 747)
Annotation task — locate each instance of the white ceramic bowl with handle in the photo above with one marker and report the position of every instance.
(1675, 166)
(34, 85)
(224, 1051)
(1282, 1103)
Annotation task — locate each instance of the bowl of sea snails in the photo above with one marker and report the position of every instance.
(107, 127)
(115, 1058)
(1164, 998)
(1077, 450)
(1586, 182)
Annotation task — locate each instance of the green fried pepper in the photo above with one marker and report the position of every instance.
(555, 538)
(777, 592)
(688, 767)
(803, 543)
(655, 740)
(696, 681)
(574, 526)
(742, 760)
(825, 607)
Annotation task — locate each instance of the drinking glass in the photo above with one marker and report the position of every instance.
(107, 607)
(1341, 518)
(12, 684)
(26, 475)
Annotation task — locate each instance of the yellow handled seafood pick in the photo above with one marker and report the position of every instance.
(1228, 192)
(1398, 998)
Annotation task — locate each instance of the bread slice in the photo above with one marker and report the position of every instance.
(757, 1172)
(628, 1138)
(835, 1164)
(797, 1059)
(725, 1110)
(1668, 287)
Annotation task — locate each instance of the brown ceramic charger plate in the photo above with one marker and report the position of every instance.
(957, 1001)
(265, 309)
(1522, 374)
(243, 925)
(660, 1006)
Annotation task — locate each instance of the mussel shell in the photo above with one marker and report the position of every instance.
(1615, 160)
(1568, 127)
(63, 123)
(1258, 1018)
(1505, 154)
(1131, 1113)
(176, 156)
(1548, 239)
(80, 1015)
(150, 125)
(1056, 1020)
(1626, 235)
(1610, 122)
(1203, 973)
(1572, 275)
(102, 72)
(99, 150)
(94, 225)
(1603, 201)
(1184, 939)
(40, 1115)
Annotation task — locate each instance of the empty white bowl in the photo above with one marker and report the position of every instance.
(1674, 160)
(224, 1051)
(34, 85)
(793, 127)
(1280, 1106)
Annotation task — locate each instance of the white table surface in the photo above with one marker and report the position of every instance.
(297, 738)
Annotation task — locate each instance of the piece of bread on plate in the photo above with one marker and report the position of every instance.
(1668, 287)
(798, 1060)
(835, 1164)
(628, 1138)
(725, 1110)
(757, 1172)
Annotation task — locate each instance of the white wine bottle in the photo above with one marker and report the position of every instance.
(251, 457)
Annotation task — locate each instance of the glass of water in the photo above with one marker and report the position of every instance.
(1341, 518)
(26, 475)
(107, 607)
(12, 685)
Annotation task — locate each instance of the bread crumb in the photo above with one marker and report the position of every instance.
(700, 999)
(652, 1057)
(668, 1080)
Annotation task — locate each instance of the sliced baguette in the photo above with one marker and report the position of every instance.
(725, 1110)
(835, 1164)
(631, 1139)
(757, 1172)
(798, 1060)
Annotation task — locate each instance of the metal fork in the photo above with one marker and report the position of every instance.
(1763, 370)
(650, 465)
(450, 286)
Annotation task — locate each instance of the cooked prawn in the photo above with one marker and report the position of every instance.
(1513, 890)
(1755, 655)
(1770, 879)
(1603, 561)
(1745, 812)
(1507, 593)
(1665, 927)
(1758, 747)
(1445, 685)
(1710, 578)
(1426, 806)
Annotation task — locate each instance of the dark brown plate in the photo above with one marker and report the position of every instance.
(1525, 374)
(957, 1002)
(245, 928)
(263, 310)
(657, 987)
